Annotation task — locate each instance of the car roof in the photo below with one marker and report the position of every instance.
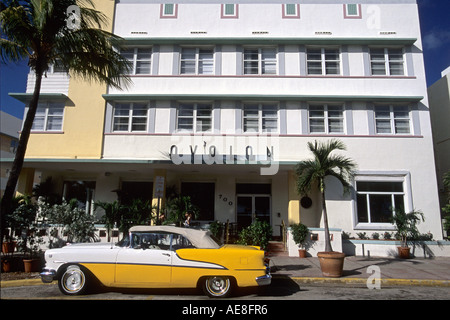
(199, 238)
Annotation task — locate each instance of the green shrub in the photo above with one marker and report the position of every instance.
(257, 234)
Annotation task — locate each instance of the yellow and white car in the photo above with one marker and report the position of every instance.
(158, 257)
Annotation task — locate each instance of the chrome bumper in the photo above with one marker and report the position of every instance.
(266, 279)
(47, 276)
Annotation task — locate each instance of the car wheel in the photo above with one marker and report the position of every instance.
(217, 287)
(73, 281)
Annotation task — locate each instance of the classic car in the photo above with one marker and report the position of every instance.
(157, 257)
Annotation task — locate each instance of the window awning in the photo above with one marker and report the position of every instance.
(26, 97)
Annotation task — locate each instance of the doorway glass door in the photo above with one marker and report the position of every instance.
(252, 207)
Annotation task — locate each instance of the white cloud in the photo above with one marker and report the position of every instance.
(436, 39)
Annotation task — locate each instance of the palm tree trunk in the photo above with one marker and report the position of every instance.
(20, 153)
(328, 247)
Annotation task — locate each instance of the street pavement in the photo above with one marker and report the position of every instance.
(357, 270)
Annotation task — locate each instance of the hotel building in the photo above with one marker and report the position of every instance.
(226, 96)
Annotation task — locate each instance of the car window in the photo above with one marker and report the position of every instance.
(151, 240)
(180, 242)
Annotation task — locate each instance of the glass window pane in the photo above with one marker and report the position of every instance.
(317, 125)
(186, 111)
(381, 207)
(383, 126)
(314, 67)
(379, 186)
(363, 214)
(169, 9)
(229, 9)
(290, 9)
(120, 124)
(402, 126)
(352, 9)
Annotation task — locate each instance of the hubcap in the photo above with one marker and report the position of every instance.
(73, 280)
(218, 286)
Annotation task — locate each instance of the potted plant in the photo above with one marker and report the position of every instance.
(299, 234)
(406, 226)
(312, 173)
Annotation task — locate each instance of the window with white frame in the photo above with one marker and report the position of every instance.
(169, 10)
(377, 201)
(352, 10)
(230, 11)
(49, 117)
(260, 118)
(326, 119)
(139, 58)
(392, 119)
(260, 61)
(130, 117)
(323, 61)
(387, 61)
(291, 10)
(197, 61)
(194, 117)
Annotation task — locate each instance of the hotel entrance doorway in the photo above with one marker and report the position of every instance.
(253, 203)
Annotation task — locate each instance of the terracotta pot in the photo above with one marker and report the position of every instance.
(403, 252)
(331, 263)
(6, 266)
(31, 265)
(302, 253)
(8, 247)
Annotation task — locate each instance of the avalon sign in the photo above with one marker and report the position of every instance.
(211, 156)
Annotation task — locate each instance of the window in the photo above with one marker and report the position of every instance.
(202, 195)
(169, 10)
(377, 200)
(130, 117)
(49, 117)
(259, 118)
(140, 59)
(195, 117)
(392, 120)
(197, 61)
(387, 62)
(230, 11)
(352, 11)
(326, 119)
(83, 192)
(57, 67)
(323, 61)
(260, 61)
(291, 10)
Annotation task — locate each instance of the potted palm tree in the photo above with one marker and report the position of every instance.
(406, 225)
(299, 234)
(311, 173)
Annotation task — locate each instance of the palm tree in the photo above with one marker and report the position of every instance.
(42, 32)
(313, 172)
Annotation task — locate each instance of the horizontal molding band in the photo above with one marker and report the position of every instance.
(272, 97)
(130, 41)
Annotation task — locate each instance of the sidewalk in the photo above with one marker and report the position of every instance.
(408, 272)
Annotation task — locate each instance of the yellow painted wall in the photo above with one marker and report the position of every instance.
(294, 200)
(84, 114)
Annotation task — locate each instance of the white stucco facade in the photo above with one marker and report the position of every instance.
(226, 98)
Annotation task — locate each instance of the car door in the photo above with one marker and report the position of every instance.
(147, 262)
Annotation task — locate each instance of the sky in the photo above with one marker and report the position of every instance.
(435, 26)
